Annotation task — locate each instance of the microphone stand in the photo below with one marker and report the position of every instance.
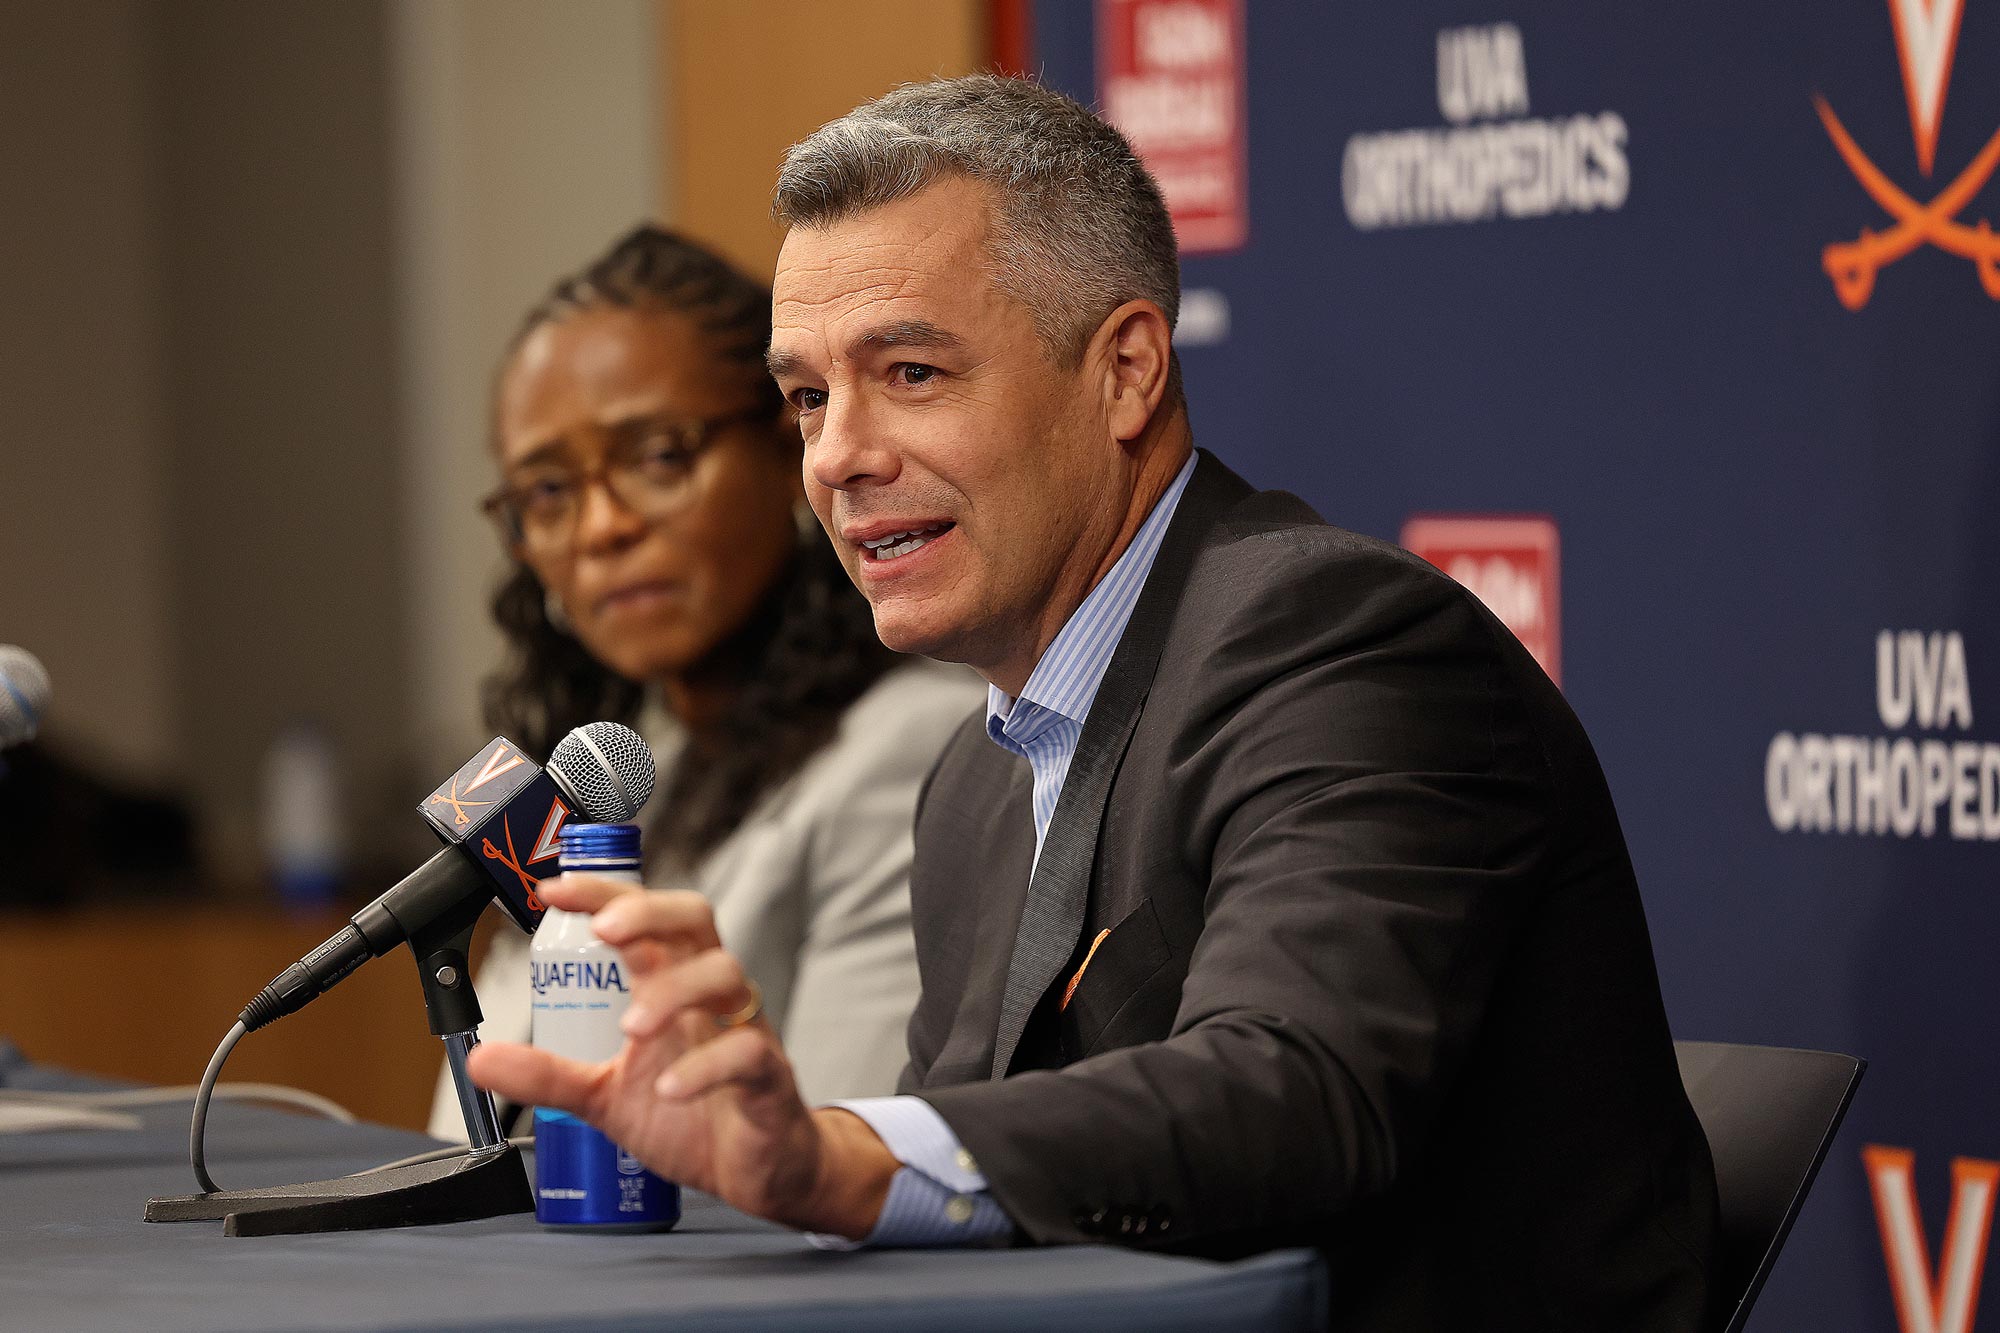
(489, 1181)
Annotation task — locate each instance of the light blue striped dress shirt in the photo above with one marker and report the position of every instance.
(940, 1197)
(1044, 724)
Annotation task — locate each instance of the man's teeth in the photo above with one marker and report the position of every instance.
(902, 543)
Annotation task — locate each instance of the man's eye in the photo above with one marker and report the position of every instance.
(808, 400)
(912, 372)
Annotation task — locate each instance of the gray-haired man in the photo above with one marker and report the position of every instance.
(1276, 898)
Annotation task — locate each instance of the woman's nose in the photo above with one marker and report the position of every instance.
(604, 521)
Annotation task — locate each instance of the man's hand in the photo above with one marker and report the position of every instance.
(708, 1106)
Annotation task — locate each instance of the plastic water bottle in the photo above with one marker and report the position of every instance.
(304, 833)
(584, 1181)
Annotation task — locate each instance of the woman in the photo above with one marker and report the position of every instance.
(670, 576)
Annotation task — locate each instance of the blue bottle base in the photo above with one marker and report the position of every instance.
(585, 1182)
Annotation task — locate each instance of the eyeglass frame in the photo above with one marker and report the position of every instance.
(694, 438)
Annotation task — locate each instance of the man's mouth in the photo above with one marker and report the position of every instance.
(896, 545)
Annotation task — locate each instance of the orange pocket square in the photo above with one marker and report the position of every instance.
(1070, 989)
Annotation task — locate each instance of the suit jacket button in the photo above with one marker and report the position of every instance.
(1125, 1224)
(1163, 1217)
(958, 1209)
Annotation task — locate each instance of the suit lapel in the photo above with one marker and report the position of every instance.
(1059, 893)
(977, 830)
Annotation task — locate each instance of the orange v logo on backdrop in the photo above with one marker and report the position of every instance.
(1947, 1300)
(1926, 41)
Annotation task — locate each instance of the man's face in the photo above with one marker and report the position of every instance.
(968, 481)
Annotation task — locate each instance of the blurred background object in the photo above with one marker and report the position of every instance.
(263, 259)
(70, 836)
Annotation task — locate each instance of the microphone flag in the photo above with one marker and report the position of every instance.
(507, 812)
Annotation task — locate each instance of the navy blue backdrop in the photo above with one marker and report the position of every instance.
(1752, 482)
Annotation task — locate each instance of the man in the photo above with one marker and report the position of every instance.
(1278, 897)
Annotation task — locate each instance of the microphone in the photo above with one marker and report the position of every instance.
(500, 817)
(24, 695)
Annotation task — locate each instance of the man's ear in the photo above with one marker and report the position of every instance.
(1138, 362)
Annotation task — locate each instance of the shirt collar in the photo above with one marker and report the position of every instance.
(1066, 679)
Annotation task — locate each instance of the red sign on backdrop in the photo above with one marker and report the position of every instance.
(1170, 75)
(1510, 564)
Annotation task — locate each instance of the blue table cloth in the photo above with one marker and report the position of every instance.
(75, 1255)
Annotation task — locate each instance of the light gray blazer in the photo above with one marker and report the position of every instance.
(811, 892)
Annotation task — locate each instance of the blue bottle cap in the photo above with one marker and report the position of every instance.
(593, 846)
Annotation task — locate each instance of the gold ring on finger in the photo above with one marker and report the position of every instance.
(747, 1014)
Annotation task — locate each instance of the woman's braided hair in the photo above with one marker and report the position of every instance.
(809, 649)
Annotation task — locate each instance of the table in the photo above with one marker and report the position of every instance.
(74, 1255)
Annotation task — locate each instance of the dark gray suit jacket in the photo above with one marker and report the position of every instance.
(1376, 979)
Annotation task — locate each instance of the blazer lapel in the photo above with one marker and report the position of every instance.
(1059, 893)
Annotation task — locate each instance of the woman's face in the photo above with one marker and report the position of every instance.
(649, 597)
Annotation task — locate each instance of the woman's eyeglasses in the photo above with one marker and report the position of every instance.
(648, 468)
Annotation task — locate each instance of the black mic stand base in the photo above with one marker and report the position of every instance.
(491, 1182)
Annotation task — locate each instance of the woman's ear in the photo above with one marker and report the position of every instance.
(1138, 360)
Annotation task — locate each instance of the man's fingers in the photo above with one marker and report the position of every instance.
(643, 957)
(747, 1057)
(672, 917)
(577, 891)
(534, 1077)
(712, 981)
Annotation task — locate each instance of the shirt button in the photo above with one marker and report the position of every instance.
(966, 1164)
(958, 1210)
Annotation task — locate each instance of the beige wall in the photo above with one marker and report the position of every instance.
(199, 449)
(82, 450)
(287, 564)
(260, 259)
(749, 78)
(526, 139)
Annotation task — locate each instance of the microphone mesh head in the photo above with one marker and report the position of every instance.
(24, 694)
(607, 768)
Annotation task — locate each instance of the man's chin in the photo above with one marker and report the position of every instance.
(903, 629)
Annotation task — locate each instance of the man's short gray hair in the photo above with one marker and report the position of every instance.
(1082, 227)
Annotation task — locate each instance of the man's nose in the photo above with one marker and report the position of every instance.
(850, 451)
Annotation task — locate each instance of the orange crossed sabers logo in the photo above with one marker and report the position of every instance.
(457, 803)
(512, 860)
(1853, 264)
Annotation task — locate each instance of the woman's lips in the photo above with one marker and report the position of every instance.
(638, 597)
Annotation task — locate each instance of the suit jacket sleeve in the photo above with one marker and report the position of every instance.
(1354, 790)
